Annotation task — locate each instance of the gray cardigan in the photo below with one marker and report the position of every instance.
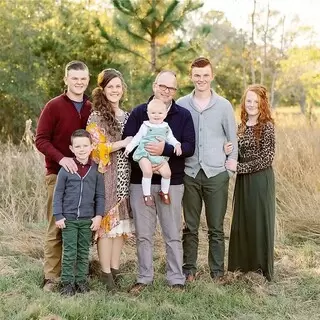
(214, 126)
(79, 198)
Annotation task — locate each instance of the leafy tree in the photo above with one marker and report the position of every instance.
(219, 41)
(300, 77)
(39, 39)
(149, 26)
(20, 89)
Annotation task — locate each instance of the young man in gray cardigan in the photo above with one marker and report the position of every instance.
(78, 207)
(206, 178)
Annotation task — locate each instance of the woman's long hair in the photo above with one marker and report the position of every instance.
(102, 105)
(264, 110)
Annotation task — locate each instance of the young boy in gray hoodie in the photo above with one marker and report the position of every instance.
(78, 207)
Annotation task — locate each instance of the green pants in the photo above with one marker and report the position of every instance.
(76, 240)
(214, 193)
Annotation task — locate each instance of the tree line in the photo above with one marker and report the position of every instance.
(140, 38)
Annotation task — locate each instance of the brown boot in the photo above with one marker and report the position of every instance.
(107, 280)
(50, 285)
(117, 277)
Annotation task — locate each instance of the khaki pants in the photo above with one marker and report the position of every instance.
(53, 241)
(145, 220)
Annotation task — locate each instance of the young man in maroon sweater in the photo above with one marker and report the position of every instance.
(58, 120)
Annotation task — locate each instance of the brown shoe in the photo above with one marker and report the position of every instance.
(117, 277)
(190, 278)
(107, 280)
(148, 201)
(137, 288)
(219, 279)
(164, 197)
(178, 287)
(50, 285)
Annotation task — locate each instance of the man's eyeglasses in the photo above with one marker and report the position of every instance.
(162, 87)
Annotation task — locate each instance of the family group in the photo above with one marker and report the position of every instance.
(111, 175)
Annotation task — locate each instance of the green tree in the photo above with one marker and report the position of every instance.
(300, 78)
(20, 71)
(38, 40)
(219, 41)
(150, 27)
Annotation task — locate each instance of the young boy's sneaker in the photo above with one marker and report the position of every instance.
(82, 287)
(67, 289)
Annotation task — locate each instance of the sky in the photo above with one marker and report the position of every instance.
(238, 11)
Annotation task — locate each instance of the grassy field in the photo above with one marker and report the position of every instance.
(294, 293)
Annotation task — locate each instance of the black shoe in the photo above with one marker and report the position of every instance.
(82, 287)
(67, 289)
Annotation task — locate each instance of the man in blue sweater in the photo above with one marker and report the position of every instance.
(145, 217)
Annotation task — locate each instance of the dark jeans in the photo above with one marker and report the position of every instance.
(214, 193)
(76, 240)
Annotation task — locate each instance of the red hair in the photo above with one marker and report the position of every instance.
(264, 110)
(201, 62)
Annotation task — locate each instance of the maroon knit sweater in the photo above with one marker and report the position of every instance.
(58, 120)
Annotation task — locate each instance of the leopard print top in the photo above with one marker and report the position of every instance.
(123, 167)
(253, 158)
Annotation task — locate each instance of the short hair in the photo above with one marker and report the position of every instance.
(162, 72)
(80, 133)
(156, 103)
(201, 62)
(75, 65)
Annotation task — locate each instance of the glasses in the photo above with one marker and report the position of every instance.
(163, 87)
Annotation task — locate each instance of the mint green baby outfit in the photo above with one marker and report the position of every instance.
(151, 136)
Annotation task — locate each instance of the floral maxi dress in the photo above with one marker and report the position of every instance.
(116, 169)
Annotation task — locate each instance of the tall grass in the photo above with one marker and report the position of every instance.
(294, 294)
(298, 178)
(22, 190)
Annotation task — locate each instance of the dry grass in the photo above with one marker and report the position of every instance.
(22, 199)
(293, 295)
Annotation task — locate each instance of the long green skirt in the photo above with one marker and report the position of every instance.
(251, 243)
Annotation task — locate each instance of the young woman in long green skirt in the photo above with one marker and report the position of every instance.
(251, 246)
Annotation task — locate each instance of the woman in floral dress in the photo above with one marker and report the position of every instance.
(106, 124)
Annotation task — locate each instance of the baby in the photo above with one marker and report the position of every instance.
(152, 131)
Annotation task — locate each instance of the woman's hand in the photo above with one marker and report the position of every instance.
(126, 141)
(228, 147)
(231, 165)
